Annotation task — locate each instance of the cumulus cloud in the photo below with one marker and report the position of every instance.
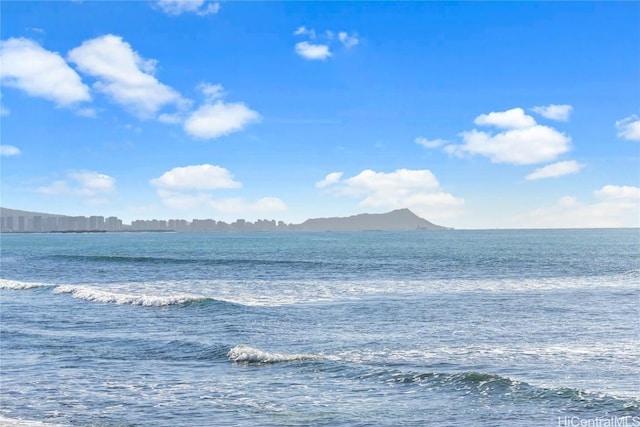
(190, 187)
(215, 120)
(318, 46)
(430, 143)
(178, 7)
(29, 67)
(312, 52)
(555, 170)
(522, 142)
(215, 117)
(613, 206)
(418, 190)
(196, 177)
(330, 179)
(123, 75)
(629, 128)
(554, 112)
(9, 150)
(93, 186)
(510, 119)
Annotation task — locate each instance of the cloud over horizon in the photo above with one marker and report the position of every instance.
(613, 206)
(418, 190)
(191, 187)
(92, 186)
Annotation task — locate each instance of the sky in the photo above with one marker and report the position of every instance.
(471, 114)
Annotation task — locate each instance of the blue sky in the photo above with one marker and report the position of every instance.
(473, 115)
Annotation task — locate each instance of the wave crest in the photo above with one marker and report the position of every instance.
(245, 354)
(19, 285)
(92, 294)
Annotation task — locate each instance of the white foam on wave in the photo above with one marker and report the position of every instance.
(19, 285)
(93, 294)
(245, 354)
(12, 422)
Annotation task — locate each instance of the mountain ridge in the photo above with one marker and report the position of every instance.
(395, 220)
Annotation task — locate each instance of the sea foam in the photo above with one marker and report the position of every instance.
(93, 294)
(19, 285)
(245, 354)
(11, 422)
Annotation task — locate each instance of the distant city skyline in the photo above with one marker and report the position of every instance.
(13, 221)
(471, 114)
(43, 223)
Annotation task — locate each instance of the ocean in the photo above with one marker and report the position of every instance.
(442, 328)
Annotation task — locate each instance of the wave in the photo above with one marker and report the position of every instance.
(19, 285)
(13, 422)
(172, 260)
(93, 294)
(245, 354)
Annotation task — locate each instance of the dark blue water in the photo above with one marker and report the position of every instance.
(479, 328)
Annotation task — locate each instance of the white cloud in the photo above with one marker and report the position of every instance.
(348, 40)
(330, 179)
(215, 120)
(510, 119)
(430, 143)
(614, 206)
(629, 128)
(555, 170)
(178, 7)
(123, 75)
(319, 45)
(312, 51)
(211, 92)
(196, 177)
(189, 188)
(554, 112)
(4, 111)
(9, 150)
(522, 142)
(418, 190)
(90, 184)
(618, 192)
(304, 31)
(27, 66)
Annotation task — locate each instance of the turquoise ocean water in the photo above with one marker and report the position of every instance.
(451, 328)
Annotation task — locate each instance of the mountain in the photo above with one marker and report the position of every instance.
(24, 221)
(400, 219)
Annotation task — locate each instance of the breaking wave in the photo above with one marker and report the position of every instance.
(245, 354)
(89, 293)
(19, 285)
